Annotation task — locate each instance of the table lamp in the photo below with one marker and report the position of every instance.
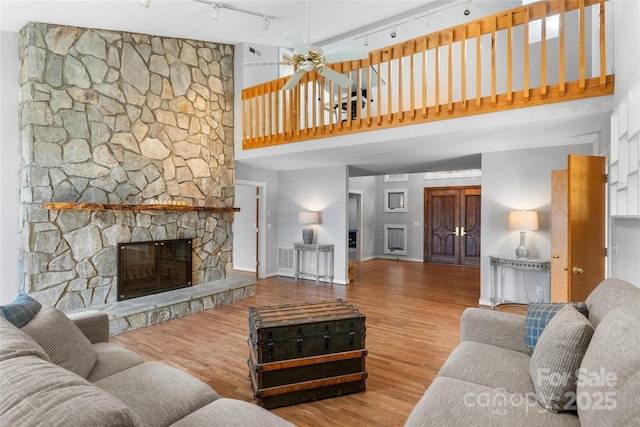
(307, 218)
(523, 221)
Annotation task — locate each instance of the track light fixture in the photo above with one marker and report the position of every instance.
(217, 10)
(467, 12)
(267, 23)
(145, 3)
(393, 33)
(366, 40)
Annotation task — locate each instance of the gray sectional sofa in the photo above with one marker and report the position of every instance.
(487, 379)
(83, 380)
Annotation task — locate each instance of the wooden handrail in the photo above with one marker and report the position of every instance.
(428, 90)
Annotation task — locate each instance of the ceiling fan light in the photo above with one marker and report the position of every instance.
(307, 65)
(215, 13)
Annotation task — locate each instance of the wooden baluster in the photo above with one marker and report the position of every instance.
(263, 115)
(304, 100)
(338, 68)
(603, 48)
(390, 87)
(400, 80)
(251, 101)
(493, 61)
(437, 74)
(295, 108)
(276, 111)
(348, 100)
(581, 82)
(369, 95)
(412, 81)
(245, 119)
(333, 110)
(424, 77)
(323, 102)
(525, 89)
(510, 58)
(379, 107)
(359, 93)
(450, 74)
(478, 67)
(463, 70)
(314, 101)
(543, 53)
(561, 82)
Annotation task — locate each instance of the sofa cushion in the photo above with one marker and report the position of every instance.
(16, 343)
(557, 357)
(611, 361)
(539, 315)
(21, 310)
(65, 344)
(232, 413)
(112, 359)
(158, 393)
(629, 413)
(501, 368)
(39, 393)
(454, 402)
(609, 294)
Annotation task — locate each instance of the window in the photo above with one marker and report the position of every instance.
(396, 177)
(395, 200)
(535, 27)
(395, 239)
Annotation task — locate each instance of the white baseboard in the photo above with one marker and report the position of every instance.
(484, 302)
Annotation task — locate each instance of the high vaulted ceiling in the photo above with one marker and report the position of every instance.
(339, 25)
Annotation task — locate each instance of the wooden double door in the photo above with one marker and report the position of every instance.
(452, 225)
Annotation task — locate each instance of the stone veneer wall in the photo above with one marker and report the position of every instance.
(110, 117)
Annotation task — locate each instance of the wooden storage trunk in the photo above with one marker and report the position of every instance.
(305, 352)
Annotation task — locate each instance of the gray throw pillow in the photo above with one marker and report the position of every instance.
(557, 356)
(65, 344)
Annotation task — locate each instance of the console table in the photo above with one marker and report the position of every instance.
(327, 250)
(499, 263)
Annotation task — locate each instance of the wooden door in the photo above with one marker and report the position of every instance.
(452, 218)
(585, 231)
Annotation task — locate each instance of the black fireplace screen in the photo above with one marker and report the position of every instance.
(146, 268)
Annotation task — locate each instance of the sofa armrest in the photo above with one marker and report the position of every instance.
(506, 330)
(94, 324)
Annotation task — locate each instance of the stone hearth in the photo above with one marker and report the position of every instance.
(137, 313)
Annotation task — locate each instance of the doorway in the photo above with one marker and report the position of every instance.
(355, 226)
(249, 233)
(452, 225)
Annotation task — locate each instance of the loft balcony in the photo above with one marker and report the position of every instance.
(541, 53)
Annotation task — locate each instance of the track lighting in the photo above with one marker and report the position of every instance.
(393, 33)
(145, 3)
(366, 40)
(267, 23)
(467, 12)
(217, 10)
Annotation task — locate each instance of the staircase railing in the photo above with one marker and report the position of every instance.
(545, 52)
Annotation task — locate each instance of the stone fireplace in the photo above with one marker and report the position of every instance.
(120, 118)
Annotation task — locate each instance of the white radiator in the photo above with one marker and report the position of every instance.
(285, 258)
(395, 239)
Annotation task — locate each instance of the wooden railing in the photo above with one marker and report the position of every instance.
(484, 66)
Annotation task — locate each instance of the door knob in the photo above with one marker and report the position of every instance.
(457, 232)
(462, 232)
(555, 256)
(577, 270)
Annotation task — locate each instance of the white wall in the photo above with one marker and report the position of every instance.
(323, 190)
(519, 179)
(9, 167)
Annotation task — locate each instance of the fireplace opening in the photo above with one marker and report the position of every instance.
(146, 268)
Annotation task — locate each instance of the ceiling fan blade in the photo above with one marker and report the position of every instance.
(293, 81)
(349, 55)
(268, 63)
(334, 76)
(296, 42)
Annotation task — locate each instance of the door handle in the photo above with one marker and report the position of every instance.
(577, 270)
(462, 233)
(555, 256)
(456, 233)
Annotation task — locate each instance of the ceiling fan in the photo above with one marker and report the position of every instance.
(307, 58)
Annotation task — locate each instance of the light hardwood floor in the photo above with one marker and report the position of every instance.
(412, 316)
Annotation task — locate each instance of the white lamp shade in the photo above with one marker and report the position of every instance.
(308, 217)
(523, 220)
